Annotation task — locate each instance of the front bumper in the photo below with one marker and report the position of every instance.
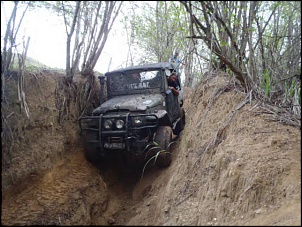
(131, 137)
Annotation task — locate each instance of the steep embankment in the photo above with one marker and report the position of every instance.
(232, 166)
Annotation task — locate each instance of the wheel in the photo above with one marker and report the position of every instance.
(183, 118)
(92, 152)
(181, 124)
(163, 138)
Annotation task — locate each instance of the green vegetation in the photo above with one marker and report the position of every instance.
(32, 65)
(266, 83)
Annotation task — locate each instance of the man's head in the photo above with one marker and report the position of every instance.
(173, 77)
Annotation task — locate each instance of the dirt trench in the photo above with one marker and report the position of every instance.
(45, 177)
(232, 165)
(77, 192)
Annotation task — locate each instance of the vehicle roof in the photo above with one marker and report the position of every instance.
(160, 65)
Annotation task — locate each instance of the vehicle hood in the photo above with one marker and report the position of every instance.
(137, 102)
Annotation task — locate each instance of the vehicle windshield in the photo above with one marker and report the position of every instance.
(134, 80)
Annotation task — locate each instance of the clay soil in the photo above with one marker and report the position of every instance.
(232, 165)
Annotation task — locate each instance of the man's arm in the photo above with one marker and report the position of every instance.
(175, 91)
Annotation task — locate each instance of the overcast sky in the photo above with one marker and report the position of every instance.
(48, 39)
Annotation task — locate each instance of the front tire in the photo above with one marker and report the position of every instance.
(183, 118)
(181, 124)
(92, 152)
(163, 138)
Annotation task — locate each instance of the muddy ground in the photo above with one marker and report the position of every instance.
(232, 165)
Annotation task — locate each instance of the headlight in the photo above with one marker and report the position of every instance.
(108, 124)
(119, 124)
(138, 121)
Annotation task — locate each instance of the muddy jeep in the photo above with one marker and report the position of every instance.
(139, 117)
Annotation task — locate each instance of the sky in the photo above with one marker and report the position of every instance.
(48, 39)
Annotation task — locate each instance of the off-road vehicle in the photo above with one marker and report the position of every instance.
(138, 118)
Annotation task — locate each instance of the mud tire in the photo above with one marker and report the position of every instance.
(183, 118)
(181, 123)
(163, 138)
(92, 152)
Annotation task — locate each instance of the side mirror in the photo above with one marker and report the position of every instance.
(168, 72)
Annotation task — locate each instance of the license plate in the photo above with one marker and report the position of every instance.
(114, 145)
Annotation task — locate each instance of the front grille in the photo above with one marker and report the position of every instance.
(96, 123)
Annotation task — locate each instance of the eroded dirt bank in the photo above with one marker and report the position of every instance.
(232, 165)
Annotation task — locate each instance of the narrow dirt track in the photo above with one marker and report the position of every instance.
(74, 192)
